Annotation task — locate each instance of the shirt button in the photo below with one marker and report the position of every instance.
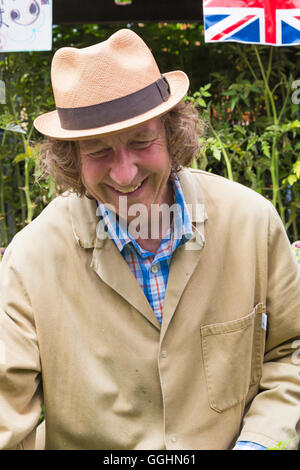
(173, 438)
(154, 269)
(164, 353)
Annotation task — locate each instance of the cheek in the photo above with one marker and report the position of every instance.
(92, 171)
(157, 162)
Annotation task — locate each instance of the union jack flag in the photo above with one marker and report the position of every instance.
(274, 22)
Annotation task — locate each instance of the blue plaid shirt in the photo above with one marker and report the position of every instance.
(151, 270)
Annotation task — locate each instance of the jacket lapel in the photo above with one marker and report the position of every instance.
(107, 260)
(115, 272)
(186, 257)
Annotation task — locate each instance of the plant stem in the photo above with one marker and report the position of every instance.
(20, 188)
(2, 207)
(274, 169)
(226, 157)
(194, 164)
(265, 80)
(27, 186)
(285, 101)
(295, 192)
(2, 202)
(27, 192)
(258, 176)
(242, 53)
(295, 230)
(26, 168)
(266, 83)
(269, 64)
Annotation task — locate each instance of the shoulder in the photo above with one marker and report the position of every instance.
(237, 215)
(53, 215)
(230, 195)
(44, 231)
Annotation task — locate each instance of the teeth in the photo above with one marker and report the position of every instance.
(129, 190)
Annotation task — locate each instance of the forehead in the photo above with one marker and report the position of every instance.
(146, 130)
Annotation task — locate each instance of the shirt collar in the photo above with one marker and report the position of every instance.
(179, 233)
(84, 214)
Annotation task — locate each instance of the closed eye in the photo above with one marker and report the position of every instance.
(100, 153)
(141, 144)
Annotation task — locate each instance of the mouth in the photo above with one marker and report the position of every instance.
(134, 190)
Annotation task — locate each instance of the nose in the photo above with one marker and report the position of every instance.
(123, 169)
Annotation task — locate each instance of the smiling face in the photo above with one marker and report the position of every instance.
(135, 164)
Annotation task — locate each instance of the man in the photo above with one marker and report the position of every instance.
(150, 306)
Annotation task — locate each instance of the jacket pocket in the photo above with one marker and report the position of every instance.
(233, 356)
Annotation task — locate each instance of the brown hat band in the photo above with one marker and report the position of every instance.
(120, 109)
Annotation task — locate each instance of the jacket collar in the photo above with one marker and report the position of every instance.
(194, 199)
(83, 213)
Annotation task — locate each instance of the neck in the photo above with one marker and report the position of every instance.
(159, 222)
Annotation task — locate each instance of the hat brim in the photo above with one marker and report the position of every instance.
(49, 125)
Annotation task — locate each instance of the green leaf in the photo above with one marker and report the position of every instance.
(229, 93)
(296, 169)
(206, 94)
(201, 102)
(216, 152)
(291, 179)
(13, 127)
(252, 141)
(233, 102)
(20, 157)
(266, 148)
(240, 129)
(295, 124)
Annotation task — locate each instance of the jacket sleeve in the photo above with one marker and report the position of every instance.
(20, 384)
(274, 414)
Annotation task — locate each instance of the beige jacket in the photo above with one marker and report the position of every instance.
(77, 333)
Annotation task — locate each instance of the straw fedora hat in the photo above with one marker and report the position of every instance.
(108, 87)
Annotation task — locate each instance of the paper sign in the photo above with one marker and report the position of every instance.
(25, 25)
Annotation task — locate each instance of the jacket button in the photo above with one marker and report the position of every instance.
(173, 438)
(164, 353)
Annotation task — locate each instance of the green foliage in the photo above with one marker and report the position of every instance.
(243, 93)
(253, 128)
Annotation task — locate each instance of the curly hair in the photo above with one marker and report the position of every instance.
(60, 159)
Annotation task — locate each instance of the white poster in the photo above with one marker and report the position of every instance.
(25, 25)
